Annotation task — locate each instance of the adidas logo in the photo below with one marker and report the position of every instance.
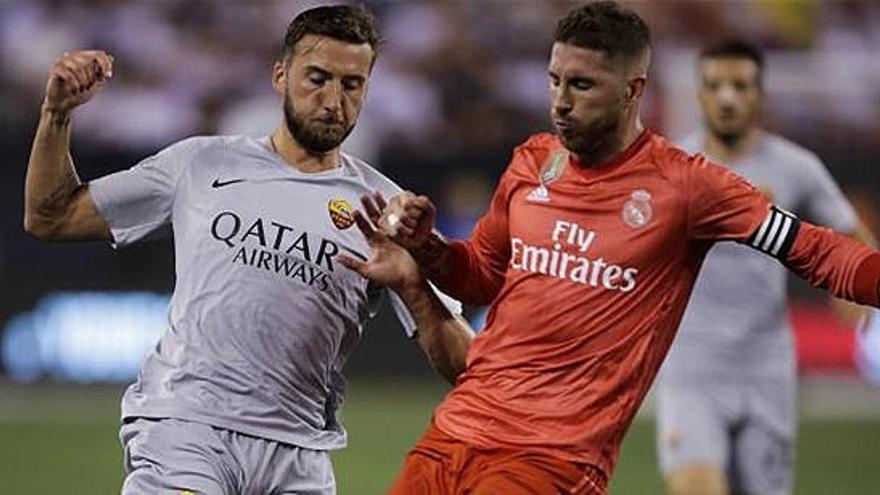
(539, 195)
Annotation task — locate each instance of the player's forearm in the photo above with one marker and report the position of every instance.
(435, 257)
(454, 267)
(444, 337)
(51, 183)
(846, 268)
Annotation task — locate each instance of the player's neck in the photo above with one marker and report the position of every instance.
(296, 156)
(616, 147)
(731, 149)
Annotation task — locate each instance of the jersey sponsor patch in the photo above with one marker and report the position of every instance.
(341, 213)
(776, 234)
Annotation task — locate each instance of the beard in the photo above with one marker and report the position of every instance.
(318, 138)
(729, 138)
(593, 141)
(729, 135)
(730, 126)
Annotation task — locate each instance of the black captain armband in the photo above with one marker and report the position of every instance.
(776, 234)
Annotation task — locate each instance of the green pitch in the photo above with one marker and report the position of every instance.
(64, 440)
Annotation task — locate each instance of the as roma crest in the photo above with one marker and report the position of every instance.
(341, 213)
(638, 211)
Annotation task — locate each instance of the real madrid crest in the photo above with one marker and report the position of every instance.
(341, 213)
(638, 211)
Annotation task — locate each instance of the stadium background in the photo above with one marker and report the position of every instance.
(456, 86)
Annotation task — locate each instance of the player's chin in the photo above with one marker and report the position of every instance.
(573, 141)
(325, 140)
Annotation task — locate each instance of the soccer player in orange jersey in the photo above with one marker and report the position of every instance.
(588, 254)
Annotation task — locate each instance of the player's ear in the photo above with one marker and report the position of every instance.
(279, 76)
(635, 89)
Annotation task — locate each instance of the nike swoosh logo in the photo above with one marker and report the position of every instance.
(355, 254)
(217, 183)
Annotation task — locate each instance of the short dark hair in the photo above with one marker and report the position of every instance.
(351, 24)
(734, 48)
(608, 27)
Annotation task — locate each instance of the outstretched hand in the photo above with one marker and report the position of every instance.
(389, 264)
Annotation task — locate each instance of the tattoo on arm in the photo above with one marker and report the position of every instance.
(60, 119)
(61, 195)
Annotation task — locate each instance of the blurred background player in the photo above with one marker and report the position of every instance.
(243, 392)
(588, 254)
(726, 395)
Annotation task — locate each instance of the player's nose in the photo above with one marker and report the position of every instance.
(331, 97)
(562, 105)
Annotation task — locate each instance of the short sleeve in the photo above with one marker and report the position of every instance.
(722, 205)
(137, 203)
(824, 202)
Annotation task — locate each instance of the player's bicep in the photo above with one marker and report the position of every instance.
(722, 205)
(83, 221)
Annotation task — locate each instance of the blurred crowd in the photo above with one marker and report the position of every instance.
(456, 86)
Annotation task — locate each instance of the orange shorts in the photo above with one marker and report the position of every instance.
(441, 465)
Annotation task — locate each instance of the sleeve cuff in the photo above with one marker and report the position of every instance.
(867, 284)
(460, 262)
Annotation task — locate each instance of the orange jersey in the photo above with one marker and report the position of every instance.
(589, 272)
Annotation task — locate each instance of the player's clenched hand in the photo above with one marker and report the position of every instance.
(407, 218)
(75, 77)
(389, 264)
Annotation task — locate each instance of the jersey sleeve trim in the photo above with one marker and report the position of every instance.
(867, 284)
(776, 234)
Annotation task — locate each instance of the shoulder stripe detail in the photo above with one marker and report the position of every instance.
(776, 234)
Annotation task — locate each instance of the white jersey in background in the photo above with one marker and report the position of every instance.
(262, 317)
(736, 324)
(727, 390)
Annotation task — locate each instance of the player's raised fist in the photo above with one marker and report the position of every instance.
(75, 77)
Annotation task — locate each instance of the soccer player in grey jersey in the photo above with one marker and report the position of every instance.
(242, 394)
(726, 394)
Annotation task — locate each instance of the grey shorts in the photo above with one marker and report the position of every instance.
(746, 429)
(171, 456)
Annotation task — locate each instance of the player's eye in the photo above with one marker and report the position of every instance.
(317, 79)
(582, 84)
(352, 84)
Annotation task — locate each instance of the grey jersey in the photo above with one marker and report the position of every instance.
(262, 317)
(736, 323)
